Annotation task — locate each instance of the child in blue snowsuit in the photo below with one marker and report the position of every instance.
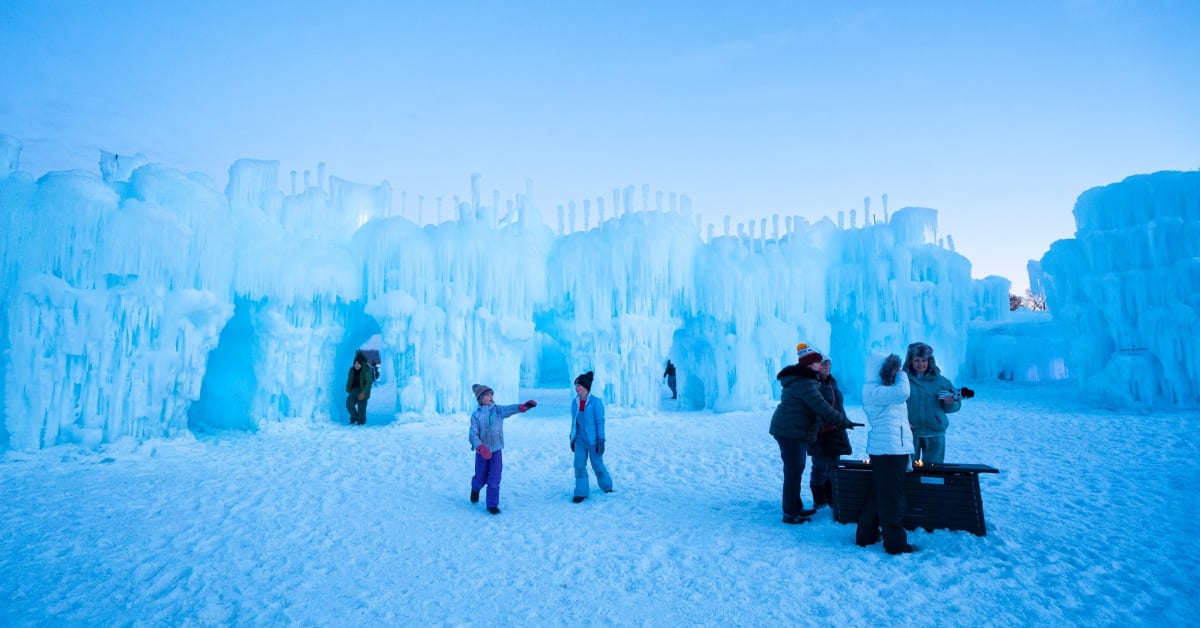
(587, 438)
(487, 439)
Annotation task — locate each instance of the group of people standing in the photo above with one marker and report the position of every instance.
(907, 414)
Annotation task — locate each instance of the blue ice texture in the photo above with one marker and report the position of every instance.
(142, 302)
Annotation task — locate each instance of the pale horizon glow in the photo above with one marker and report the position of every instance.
(996, 116)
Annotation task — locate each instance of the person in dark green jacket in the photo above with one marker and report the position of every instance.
(797, 420)
(358, 388)
(932, 397)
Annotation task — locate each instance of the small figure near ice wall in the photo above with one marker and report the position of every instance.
(358, 388)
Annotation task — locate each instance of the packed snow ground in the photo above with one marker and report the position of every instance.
(1090, 522)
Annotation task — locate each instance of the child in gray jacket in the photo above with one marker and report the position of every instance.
(487, 439)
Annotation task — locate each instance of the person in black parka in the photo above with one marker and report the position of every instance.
(795, 425)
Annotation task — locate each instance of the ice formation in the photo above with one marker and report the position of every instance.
(1127, 287)
(141, 302)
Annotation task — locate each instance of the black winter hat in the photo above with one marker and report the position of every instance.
(585, 380)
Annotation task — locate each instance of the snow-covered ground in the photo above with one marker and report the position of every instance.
(1090, 522)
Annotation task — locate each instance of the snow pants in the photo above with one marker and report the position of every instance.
(487, 472)
(584, 453)
(885, 505)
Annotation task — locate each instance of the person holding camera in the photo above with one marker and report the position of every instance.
(932, 398)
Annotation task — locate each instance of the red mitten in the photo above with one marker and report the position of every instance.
(527, 405)
(485, 452)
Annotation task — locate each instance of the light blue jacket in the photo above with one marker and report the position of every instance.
(487, 425)
(591, 420)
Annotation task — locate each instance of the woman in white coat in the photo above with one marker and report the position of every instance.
(889, 443)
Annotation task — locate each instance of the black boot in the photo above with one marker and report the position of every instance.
(818, 496)
(493, 510)
(474, 497)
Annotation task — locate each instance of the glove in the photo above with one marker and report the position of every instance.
(362, 396)
(600, 446)
(527, 405)
(484, 451)
(572, 446)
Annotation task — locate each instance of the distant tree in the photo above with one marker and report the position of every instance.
(1014, 302)
(1035, 301)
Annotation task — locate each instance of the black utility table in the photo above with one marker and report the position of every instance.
(939, 495)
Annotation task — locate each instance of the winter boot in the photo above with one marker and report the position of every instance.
(818, 494)
(474, 497)
(493, 510)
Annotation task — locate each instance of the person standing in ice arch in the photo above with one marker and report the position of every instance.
(587, 438)
(358, 388)
(669, 373)
(932, 398)
(795, 424)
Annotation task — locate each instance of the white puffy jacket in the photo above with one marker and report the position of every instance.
(887, 413)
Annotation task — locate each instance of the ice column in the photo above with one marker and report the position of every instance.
(1127, 284)
(118, 300)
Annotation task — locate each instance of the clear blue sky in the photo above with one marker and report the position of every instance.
(998, 114)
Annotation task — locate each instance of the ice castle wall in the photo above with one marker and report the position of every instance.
(1128, 287)
(150, 306)
(111, 303)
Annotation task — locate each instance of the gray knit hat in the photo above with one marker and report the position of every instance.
(480, 390)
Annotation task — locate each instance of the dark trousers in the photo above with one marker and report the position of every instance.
(487, 472)
(671, 385)
(885, 505)
(356, 407)
(821, 480)
(794, 452)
